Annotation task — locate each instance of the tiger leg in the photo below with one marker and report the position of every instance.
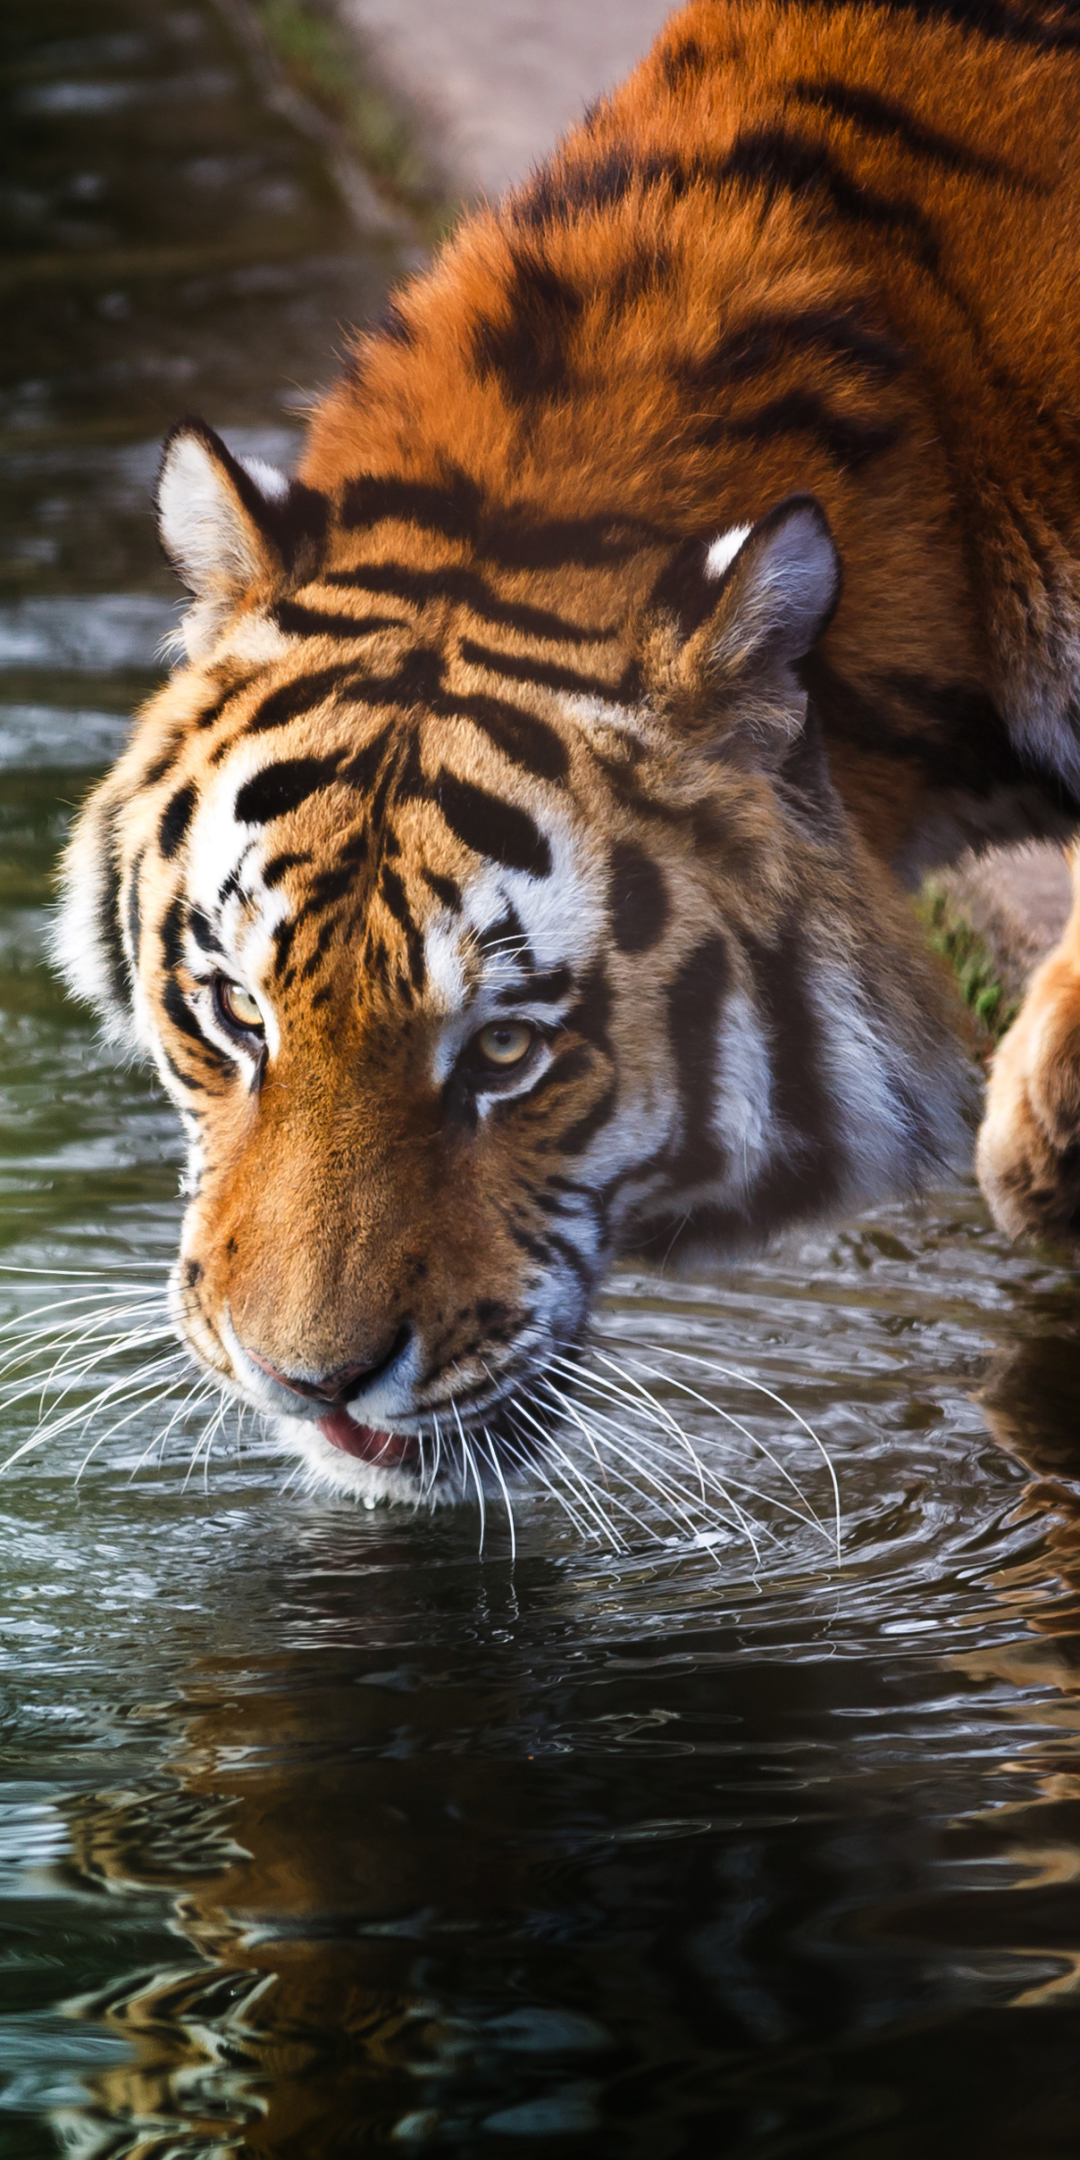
(1028, 1156)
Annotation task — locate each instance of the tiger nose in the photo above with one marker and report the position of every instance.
(335, 1387)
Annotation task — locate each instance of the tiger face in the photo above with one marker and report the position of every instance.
(469, 966)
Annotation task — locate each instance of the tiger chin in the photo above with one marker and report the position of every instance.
(511, 878)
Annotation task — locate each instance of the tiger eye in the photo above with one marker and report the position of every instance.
(504, 1043)
(239, 1007)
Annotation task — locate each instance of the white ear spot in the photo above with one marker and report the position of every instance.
(269, 479)
(724, 549)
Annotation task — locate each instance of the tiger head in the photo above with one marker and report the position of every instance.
(483, 923)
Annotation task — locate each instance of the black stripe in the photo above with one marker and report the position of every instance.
(774, 158)
(166, 759)
(175, 819)
(445, 889)
(592, 1012)
(278, 789)
(782, 162)
(109, 933)
(519, 667)
(279, 865)
(454, 582)
(329, 887)
(879, 116)
(551, 1246)
(172, 935)
(202, 931)
(196, 1083)
(283, 935)
(300, 621)
(558, 195)
(295, 697)
(637, 898)
(681, 62)
(391, 324)
(807, 1181)
(544, 989)
(840, 332)
(182, 1017)
(410, 781)
(577, 1138)
(849, 439)
(952, 730)
(503, 533)
(362, 768)
(526, 348)
(507, 931)
(213, 712)
(990, 19)
(396, 900)
(453, 510)
(499, 830)
(315, 959)
(695, 997)
(521, 736)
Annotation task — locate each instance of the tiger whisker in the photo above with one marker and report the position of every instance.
(589, 1498)
(494, 1460)
(40, 1339)
(79, 1368)
(138, 1411)
(145, 1380)
(79, 1420)
(674, 1507)
(531, 1468)
(468, 1455)
(659, 1460)
(205, 1440)
(65, 1304)
(645, 1405)
(196, 1394)
(730, 1372)
(730, 1484)
(810, 1517)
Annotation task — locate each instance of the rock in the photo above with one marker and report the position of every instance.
(493, 84)
(1016, 900)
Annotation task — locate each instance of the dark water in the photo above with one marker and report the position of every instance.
(316, 1829)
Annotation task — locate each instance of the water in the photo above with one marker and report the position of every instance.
(315, 1828)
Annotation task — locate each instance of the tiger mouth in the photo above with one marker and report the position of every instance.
(367, 1443)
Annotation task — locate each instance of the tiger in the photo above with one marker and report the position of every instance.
(513, 877)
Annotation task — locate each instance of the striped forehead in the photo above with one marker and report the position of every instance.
(435, 873)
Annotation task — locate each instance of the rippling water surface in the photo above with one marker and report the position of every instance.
(672, 1835)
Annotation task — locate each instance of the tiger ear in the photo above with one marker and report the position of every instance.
(219, 523)
(768, 591)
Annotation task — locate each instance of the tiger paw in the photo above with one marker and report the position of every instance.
(1028, 1156)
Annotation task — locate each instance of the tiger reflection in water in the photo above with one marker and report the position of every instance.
(343, 1904)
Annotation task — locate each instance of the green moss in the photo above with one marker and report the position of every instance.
(325, 64)
(950, 934)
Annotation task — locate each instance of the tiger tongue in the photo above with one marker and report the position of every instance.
(364, 1441)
